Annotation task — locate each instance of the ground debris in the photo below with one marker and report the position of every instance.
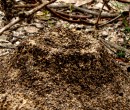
(62, 70)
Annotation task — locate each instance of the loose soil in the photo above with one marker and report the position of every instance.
(62, 69)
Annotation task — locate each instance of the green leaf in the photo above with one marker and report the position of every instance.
(120, 54)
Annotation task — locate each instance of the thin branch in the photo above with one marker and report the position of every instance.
(112, 20)
(26, 14)
(113, 45)
(103, 15)
(7, 46)
(14, 21)
(26, 6)
(74, 16)
(80, 21)
(99, 16)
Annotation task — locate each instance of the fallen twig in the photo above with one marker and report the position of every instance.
(26, 14)
(14, 21)
(103, 15)
(80, 21)
(74, 16)
(26, 6)
(112, 20)
(7, 46)
(113, 45)
(67, 16)
(99, 16)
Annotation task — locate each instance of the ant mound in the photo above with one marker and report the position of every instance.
(62, 69)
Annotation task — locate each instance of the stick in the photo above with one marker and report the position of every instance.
(115, 46)
(99, 16)
(27, 13)
(103, 15)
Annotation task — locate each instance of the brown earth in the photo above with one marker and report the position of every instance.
(62, 69)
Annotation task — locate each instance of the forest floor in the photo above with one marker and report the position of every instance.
(63, 66)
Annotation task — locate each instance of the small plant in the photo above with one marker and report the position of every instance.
(120, 54)
(51, 23)
(71, 8)
(127, 29)
(66, 25)
(45, 12)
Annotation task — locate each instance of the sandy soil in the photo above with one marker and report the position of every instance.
(62, 69)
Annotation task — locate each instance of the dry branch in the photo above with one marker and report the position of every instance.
(14, 21)
(26, 14)
(112, 20)
(103, 14)
(113, 45)
(63, 16)
(66, 18)
(26, 6)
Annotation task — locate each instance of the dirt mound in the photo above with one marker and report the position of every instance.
(62, 70)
